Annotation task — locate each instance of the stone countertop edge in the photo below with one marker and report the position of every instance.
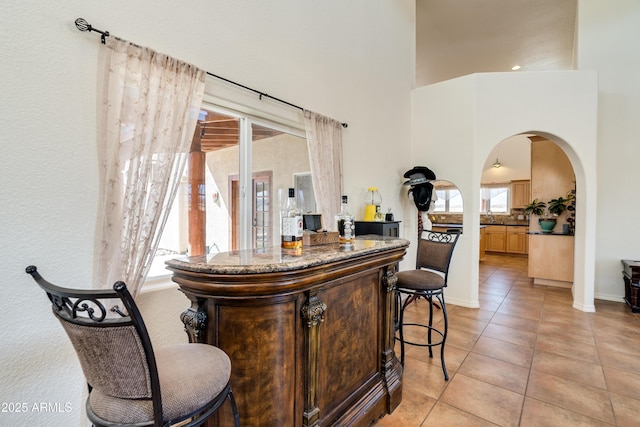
(540, 233)
(526, 224)
(276, 259)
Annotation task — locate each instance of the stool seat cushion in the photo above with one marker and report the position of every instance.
(191, 375)
(420, 280)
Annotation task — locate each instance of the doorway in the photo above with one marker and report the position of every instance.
(537, 166)
(262, 212)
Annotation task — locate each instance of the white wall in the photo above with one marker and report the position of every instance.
(609, 42)
(442, 139)
(353, 61)
(459, 122)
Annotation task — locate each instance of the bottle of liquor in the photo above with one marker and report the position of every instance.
(346, 225)
(379, 215)
(291, 224)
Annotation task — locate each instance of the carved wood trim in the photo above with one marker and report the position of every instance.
(195, 320)
(313, 315)
(391, 368)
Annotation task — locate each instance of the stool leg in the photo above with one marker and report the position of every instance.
(396, 313)
(234, 409)
(401, 327)
(444, 335)
(429, 297)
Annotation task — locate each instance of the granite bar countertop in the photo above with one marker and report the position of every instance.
(276, 259)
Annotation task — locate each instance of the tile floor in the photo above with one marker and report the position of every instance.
(525, 358)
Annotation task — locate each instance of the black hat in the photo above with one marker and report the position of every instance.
(422, 195)
(419, 175)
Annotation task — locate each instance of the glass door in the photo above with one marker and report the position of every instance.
(277, 156)
(228, 199)
(262, 211)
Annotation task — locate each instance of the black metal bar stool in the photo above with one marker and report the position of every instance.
(131, 383)
(427, 281)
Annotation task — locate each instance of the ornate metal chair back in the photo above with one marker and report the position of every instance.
(110, 339)
(435, 250)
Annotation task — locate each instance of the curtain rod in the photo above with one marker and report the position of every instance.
(83, 25)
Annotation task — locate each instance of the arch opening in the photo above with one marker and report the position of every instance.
(555, 172)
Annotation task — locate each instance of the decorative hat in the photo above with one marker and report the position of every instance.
(421, 190)
(419, 175)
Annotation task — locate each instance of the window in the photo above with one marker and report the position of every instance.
(494, 198)
(448, 200)
(238, 164)
(304, 190)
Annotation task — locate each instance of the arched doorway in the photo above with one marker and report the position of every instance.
(446, 212)
(538, 165)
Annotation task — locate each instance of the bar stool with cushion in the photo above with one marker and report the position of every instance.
(427, 281)
(129, 382)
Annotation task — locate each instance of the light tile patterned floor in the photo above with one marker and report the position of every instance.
(525, 358)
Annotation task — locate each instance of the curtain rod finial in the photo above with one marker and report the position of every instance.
(83, 25)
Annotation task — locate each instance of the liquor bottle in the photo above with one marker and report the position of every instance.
(291, 223)
(346, 226)
(389, 215)
(378, 216)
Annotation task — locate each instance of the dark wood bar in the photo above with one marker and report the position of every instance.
(309, 334)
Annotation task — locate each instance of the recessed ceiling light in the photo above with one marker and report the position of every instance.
(515, 68)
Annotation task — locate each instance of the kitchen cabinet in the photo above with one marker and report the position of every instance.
(483, 244)
(517, 240)
(520, 193)
(510, 239)
(496, 238)
(551, 259)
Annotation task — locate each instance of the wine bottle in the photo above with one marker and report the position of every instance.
(291, 224)
(346, 225)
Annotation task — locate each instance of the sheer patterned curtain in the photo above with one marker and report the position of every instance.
(324, 141)
(152, 103)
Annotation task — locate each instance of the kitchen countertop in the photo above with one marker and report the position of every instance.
(524, 224)
(447, 225)
(548, 234)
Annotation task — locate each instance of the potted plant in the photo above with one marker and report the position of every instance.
(559, 205)
(571, 218)
(539, 209)
(554, 206)
(536, 207)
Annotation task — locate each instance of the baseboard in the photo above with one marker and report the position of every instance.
(609, 297)
(462, 303)
(586, 308)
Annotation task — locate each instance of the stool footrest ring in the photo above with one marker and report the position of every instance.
(432, 344)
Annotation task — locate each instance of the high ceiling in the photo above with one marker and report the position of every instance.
(460, 37)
